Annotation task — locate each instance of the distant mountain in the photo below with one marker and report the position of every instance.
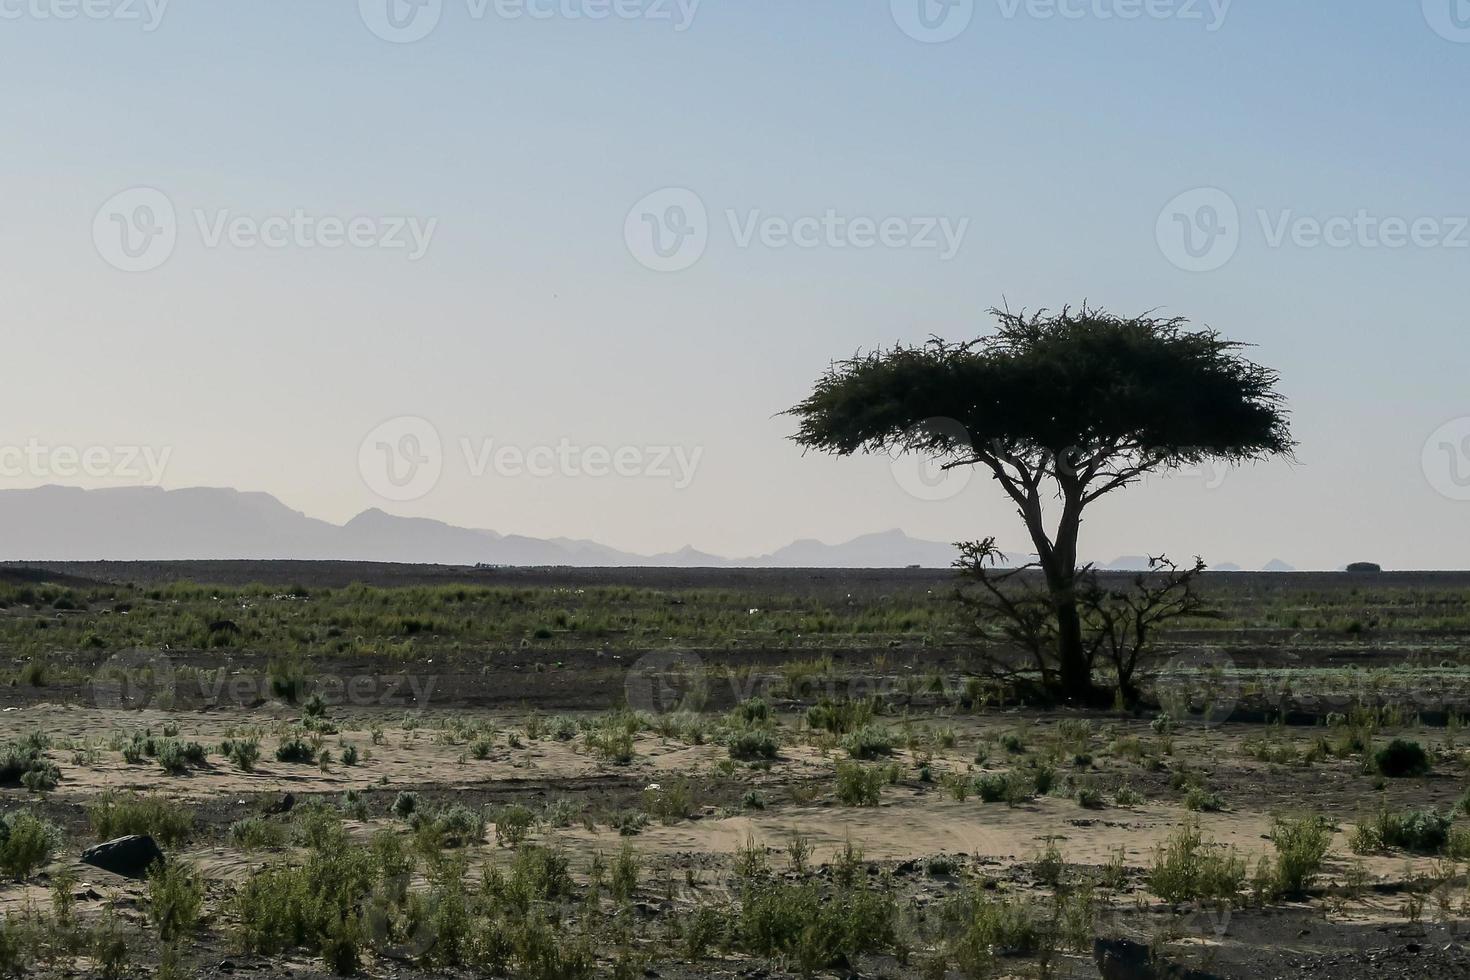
(1277, 565)
(1127, 563)
(884, 549)
(152, 524)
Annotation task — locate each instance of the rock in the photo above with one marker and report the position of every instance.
(1365, 568)
(1123, 959)
(283, 805)
(129, 856)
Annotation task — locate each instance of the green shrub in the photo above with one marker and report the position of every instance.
(1416, 831)
(340, 945)
(176, 757)
(991, 787)
(513, 824)
(1186, 868)
(243, 752)
(453, 826)
(1197, 799)
(840, 717)
(295, 750)
(1090, 798)
(859, 785)
(752, 711)
(671, 802)
(26, 843)
(1301, 846)
(1401, 758)
(626, 867)
(752, 745)
(120, 814)
(1128, 796)
(869, 742)
(405, 804)
(27, 756)
(611, 744)
(175, 897)
(989, 924)
(816, 929)
(257, 833)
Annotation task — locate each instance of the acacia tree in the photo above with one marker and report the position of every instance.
(1061, 409)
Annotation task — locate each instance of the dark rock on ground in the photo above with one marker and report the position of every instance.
(129, 856)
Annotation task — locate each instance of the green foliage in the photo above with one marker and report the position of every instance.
(296, 749)
(175, 898)
(752, 711)
(753, 745)
(405, 804)
(26, 843)
(869, 742)
(817, 929)
(116, 814)
(859, 785)
(1416, 831)
(24, 762)
(243, 752)
(1186, 868)
(513, 824)
(1301, 846)
(626, 868)
(840, 716)
(1401, 758)
(257, 833)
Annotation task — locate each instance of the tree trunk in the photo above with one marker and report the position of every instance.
(1074, 673)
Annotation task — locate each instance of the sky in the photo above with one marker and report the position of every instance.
(554, 267)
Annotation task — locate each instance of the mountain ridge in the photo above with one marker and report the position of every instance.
(60, 523)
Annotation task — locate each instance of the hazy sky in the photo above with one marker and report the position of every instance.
(333, 224)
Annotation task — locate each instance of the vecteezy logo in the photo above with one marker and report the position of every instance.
(135, 679)
(401, 21)
(924, 477)
(1446, 459)
(668, 230)
(136, 230)
(1449, 18)
(666, 681)
(933, 21)
(1199, 231)
(401, 459)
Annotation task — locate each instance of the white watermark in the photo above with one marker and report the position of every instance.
(1199, 231)
(138, 230)
(34, 459)
(407, 21)
(933, 21)
(1446, 459)
(401, 459)
(938, 21)
(1450, 19)
(1202, 230)
(147, 14)
(669, 231)
(676, 464)
(924, 477)
(404, 458)
(1210, 14)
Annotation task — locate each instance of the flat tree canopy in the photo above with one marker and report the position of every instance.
(1059, 407)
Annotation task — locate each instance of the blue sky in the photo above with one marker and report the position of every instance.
(529, 321)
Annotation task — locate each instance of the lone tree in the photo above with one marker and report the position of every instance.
(1061, 409)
